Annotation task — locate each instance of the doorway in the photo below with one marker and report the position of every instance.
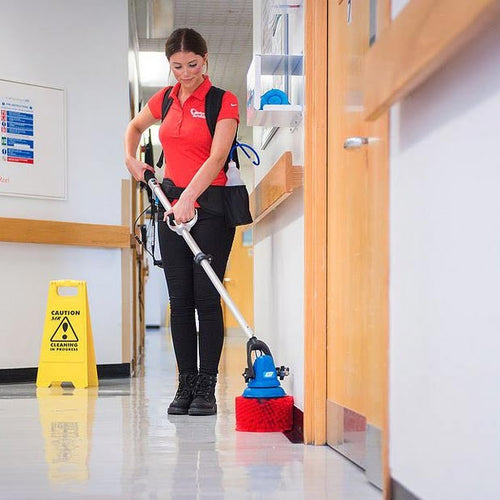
(346, 241)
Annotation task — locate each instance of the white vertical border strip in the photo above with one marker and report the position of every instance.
(39, 183)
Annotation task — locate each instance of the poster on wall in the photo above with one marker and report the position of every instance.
(32, 141)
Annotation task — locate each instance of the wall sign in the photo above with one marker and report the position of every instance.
(32, 141)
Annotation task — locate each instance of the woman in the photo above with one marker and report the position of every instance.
(194, 160)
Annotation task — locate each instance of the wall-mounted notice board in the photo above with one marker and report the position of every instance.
(32, 141)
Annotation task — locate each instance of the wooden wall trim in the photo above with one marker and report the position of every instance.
(64, 233)
(420, 39)
(279, 183)
(127, 270)
(315, 217)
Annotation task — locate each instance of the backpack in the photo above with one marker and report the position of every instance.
(213, 103)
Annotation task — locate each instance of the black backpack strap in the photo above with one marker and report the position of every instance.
(166, 103)
(165, 106)
(213, 103)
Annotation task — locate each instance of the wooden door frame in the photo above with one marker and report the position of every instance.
(315, 217)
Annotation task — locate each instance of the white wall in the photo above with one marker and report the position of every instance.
(279, 245)
(445, 280)
(397, 6)
(81, 47)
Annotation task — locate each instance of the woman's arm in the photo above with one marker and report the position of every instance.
(141, 122)
(225, 131)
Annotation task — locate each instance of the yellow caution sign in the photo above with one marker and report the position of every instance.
(67, 352)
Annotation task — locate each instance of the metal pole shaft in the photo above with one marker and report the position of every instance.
(155, 187)
(227, 299)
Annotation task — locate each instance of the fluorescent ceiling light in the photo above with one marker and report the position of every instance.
(153, 69)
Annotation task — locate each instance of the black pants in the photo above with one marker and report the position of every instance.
(190, 289)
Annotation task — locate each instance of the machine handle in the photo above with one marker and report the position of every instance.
(148, 175)
(254, 344)
(178, 228)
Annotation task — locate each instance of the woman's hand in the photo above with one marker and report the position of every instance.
(183, 210)
(137, 168)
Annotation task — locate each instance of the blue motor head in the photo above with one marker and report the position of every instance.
(261, 376)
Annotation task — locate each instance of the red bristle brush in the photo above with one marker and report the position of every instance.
(264, 415)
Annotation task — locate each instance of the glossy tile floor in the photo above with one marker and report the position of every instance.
(118, 442)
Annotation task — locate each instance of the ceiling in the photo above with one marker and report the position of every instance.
(226, 25)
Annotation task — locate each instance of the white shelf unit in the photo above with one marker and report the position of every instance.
(263, 70)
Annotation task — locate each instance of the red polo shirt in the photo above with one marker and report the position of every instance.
(184, 134)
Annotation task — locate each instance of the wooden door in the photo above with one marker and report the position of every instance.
(357, 248)
(238, 279)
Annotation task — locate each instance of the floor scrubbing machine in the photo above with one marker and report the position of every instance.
(264, 405)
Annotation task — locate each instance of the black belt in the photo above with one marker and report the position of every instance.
(211, 200)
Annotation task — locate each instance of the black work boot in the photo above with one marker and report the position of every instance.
(204, 396)
(184, 394)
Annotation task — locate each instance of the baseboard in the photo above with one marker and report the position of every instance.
(28, 375)
(17, 375)
(296, 434)
(118, 370)
(399, 492)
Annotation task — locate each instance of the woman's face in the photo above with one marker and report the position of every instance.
(188, 69)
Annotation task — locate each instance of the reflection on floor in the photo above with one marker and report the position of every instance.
(118, 442)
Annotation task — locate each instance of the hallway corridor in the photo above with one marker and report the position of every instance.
(118, 442)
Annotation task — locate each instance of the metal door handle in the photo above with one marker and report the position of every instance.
(355, 142)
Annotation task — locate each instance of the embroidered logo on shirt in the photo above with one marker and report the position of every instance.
(197, 114)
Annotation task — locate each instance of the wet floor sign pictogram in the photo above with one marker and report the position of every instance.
(64, 332)
(67, 352)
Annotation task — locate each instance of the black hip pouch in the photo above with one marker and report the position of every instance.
(230, 202)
